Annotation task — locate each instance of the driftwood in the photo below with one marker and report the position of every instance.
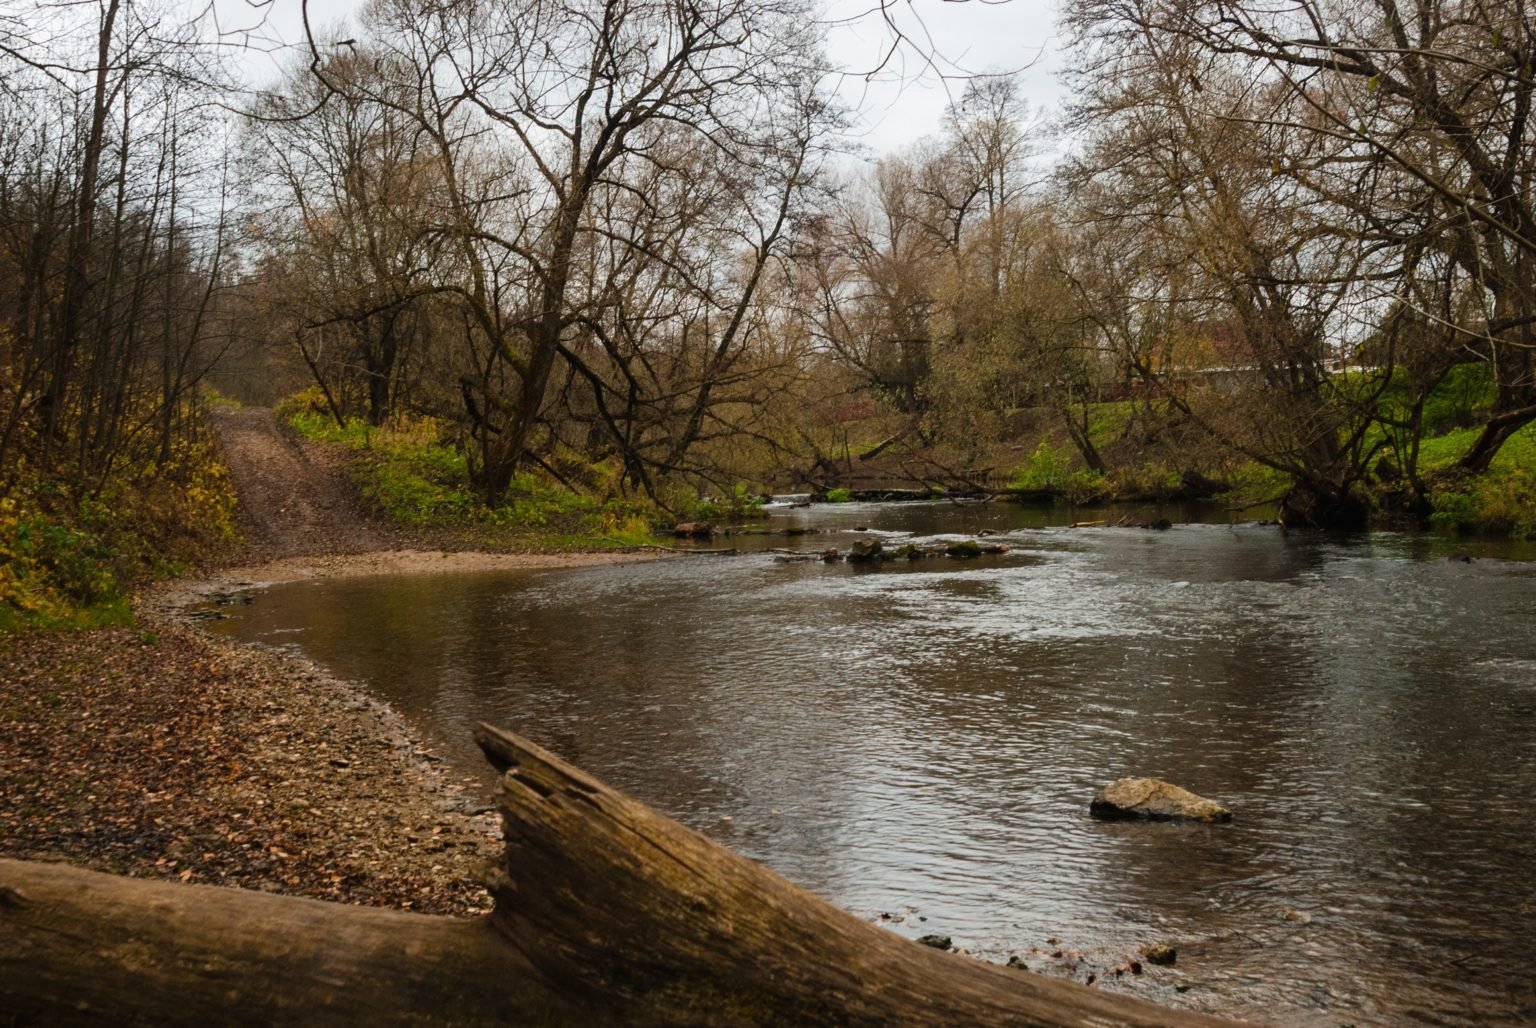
(606, 913)
(691, 551)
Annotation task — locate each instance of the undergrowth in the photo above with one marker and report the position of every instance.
(1501, 501)
(411, 474)
(70, 556)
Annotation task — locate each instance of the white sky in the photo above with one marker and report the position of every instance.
(904, 101)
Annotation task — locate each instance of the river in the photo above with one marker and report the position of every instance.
(918, 741)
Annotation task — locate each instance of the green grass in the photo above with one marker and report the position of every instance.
(1501, 501)
(1044, 470)
(1468, 388)
(1107, 421)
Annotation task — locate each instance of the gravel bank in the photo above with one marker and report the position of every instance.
(162, 752)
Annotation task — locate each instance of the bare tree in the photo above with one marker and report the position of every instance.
(587, 101)
(1262, 284)
(1433, 97)
(111, 207)
(349, 219)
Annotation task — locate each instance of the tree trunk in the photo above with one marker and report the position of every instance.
(607, 913)
(1496, 431)
(80, 947)
(76, 278)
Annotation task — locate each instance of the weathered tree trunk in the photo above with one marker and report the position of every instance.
(606, 913)
(80, 947)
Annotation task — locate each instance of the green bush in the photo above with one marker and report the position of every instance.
(1086, 486)
(840, 495)
(69, 561)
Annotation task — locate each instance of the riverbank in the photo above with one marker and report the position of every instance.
(158, 751)
(152, 749)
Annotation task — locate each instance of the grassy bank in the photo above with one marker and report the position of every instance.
(1498, 502)
(1501, 501)
(411, 474)
(1149, 455)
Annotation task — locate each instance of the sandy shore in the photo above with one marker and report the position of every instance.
(170, 597)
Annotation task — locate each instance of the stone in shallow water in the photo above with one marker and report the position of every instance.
(1151, 799)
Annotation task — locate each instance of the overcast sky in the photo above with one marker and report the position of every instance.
(907, 100)
(900, 103)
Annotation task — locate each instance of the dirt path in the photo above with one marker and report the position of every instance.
(295, 497)
(303, 517)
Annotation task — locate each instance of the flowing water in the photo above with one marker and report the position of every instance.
(918, 742)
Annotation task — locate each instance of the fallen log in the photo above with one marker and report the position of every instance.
(84, 948)
(606, 913)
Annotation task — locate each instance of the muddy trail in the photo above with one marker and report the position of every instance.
(296, 498)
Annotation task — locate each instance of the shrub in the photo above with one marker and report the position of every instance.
(1086, 486)
(69, 561)
(1251, 484)
(1045, 470)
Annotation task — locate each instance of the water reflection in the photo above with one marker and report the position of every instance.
(927, 736)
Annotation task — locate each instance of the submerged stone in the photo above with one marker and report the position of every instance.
(1151, 799)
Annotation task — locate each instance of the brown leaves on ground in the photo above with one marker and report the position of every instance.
(189, 758)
